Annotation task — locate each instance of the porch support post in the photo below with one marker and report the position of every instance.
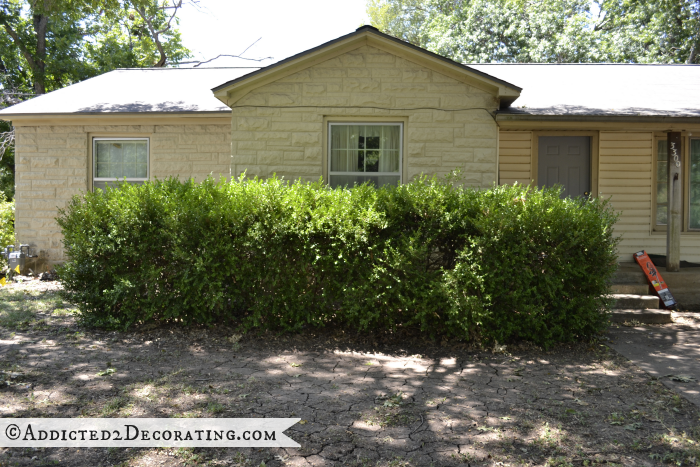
(673, 232)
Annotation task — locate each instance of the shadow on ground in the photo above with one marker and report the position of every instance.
(361, 403)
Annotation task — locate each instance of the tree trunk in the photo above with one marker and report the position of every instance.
(163, 57)
(40, 23)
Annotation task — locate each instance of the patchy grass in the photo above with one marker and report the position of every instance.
(417, 404)
(21, 308)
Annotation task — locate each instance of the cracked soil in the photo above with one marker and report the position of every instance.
(363, 400)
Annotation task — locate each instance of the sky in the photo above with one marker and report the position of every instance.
(284, 27)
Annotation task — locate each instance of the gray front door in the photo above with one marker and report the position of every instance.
(565, 160)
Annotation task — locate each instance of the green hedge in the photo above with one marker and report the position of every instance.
(7, 227)
(500, 264)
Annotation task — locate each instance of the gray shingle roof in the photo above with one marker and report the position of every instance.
(168, 90)
(602, 89)
(549, 90)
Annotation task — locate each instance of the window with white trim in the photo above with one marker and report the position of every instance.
(365, 152)
(690, 191)
(694, 185)
(119, 159)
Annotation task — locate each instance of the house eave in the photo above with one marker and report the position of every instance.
(662, 119)
(96, 118)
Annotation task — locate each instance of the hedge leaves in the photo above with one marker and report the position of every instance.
(500, 264)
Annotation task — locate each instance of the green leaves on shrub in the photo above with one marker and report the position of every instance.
(7, 227)
(500, 264)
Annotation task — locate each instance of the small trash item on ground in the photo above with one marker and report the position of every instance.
(49, 276)
(681, 378)
(11, 374)
(107, 372)
(497, 348)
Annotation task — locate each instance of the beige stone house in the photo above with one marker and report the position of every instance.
(369, 107)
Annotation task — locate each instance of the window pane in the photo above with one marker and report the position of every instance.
(662, 183)
(119, 159)
(372, 161)
(391, 149)
(694, 188)
(373, 136)
(344, 148)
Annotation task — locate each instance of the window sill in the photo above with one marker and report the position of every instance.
(689, 233)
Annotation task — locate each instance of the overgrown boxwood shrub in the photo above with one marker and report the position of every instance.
(500, 264)
(7, 226)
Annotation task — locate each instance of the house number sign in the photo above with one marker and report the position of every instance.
(674, 153)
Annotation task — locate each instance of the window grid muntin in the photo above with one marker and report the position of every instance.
(95, 178)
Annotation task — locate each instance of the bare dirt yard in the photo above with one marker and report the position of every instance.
(363, 400)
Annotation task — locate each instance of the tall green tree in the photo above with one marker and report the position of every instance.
(48, 44)
(560, 31)
(58, 42)
(644, 31)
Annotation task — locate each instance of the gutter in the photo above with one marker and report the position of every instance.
(507, 117)
(9, 116)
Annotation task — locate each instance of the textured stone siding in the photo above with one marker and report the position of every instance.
(279, 127)
(52, 166)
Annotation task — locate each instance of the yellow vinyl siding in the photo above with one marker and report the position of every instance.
(626, 177)
(514, 160)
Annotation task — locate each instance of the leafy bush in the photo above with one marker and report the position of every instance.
(501, 264)
(7, 227)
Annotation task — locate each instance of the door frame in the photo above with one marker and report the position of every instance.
(594, 145)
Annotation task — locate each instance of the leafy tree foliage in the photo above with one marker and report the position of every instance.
(559, 31)
(659, 31)
(48, 44)
(7, 162)
(7, 227)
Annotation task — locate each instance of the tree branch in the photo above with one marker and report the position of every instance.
(251, 45)
(22, 47)
(7, 140)
(155, 35)
(142, 12)
(232, 56)
(225, 55)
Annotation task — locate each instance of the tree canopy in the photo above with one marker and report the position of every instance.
(48, 44)
(546, 31)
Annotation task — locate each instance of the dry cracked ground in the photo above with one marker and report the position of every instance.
(362, 401)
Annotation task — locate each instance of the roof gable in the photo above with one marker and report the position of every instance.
(231, 91)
